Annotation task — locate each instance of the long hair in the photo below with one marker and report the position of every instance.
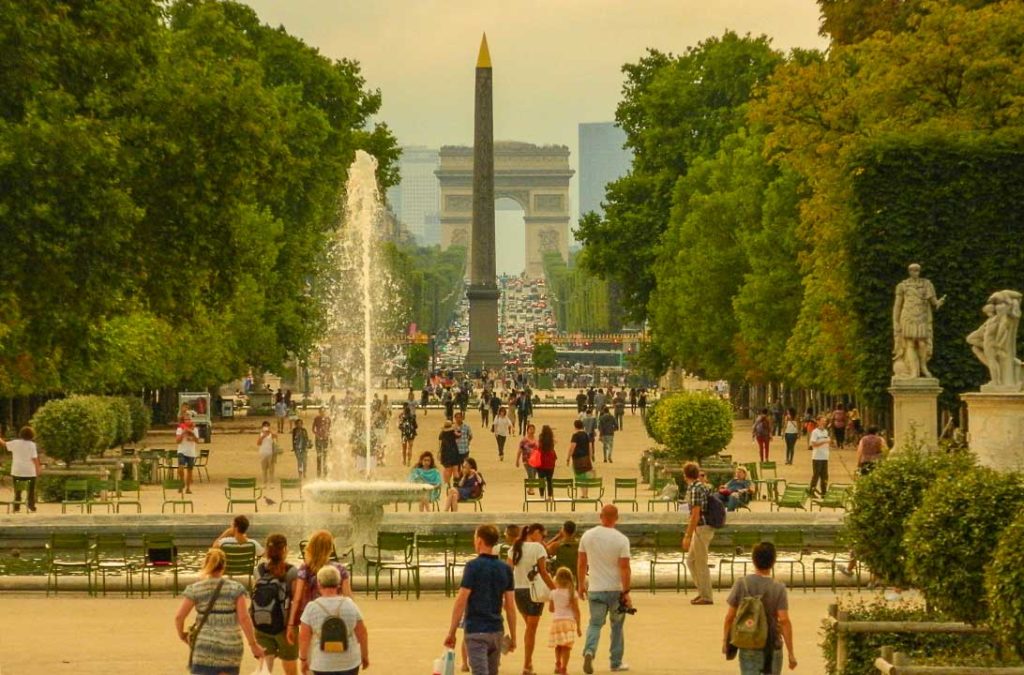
(214, 562)
(546, 440)
(276, 552)
(318, 550)
(565, 579)
(517, 548)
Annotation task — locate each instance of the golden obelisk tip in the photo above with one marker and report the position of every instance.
(484, 59)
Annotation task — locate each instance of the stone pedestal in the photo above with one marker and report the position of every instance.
(483, 329)
(915, 404)
(995, 423)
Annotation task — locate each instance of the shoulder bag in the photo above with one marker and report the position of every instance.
(197, 627)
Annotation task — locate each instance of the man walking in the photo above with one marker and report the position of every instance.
(620, 408)
(321, 438)
(590, 426)
(776, 609)
(463, 435)
(821, 445)
(604, 556)
(607, 427)
(487, 586)
(698, 536)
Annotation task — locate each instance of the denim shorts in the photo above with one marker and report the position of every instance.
(184, 461)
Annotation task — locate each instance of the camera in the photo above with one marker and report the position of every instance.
(624, 608)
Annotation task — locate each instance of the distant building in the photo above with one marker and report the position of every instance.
(416, 200)
(602, 160)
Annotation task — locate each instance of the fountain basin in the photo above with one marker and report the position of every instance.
(362, 494)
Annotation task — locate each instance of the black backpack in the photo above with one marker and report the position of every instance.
(270, 602)
(714, 514)
(333, 633)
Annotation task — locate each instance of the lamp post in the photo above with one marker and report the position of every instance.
(433, 353)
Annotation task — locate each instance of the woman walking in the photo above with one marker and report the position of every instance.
(319, 553)
(300, 446)
(274, 576)
(526, 447)
(221, 620)
(790, 432)
(502, 428)
(328, 646)
(548, 457)
(762, 433)
(528, 559)
(408, 427)
(839, 421)
(448, 449)
(265, 444)
(485, 408)
(511, 408)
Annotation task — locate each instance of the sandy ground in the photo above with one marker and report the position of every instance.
(89, 636)
(103, 636)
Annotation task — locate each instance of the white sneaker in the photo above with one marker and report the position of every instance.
(622, 667)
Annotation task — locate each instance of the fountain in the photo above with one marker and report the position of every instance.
(360, 293)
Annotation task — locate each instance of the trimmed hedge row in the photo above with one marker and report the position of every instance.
(71, 429)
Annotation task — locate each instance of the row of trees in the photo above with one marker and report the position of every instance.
(170, 183)
(752, 228)
(582, 302)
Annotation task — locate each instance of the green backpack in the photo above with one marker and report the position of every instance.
(333, 633)
(750, 629)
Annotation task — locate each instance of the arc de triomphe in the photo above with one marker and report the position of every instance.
(536, 177)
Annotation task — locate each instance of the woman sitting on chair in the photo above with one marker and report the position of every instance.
(470, 486)
(426, 472)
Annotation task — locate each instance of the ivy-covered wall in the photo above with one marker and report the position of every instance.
(956, 206)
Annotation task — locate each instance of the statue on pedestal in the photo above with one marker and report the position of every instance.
(912, 325)
(995, 341)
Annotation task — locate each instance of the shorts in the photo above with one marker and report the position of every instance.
(277, 645)
(526, 605)
(184, 461)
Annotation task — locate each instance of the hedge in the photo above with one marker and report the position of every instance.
(692, 425)
(71, 429)
(951, 205)
(1004, 581)
(953, 535)
(882, 502)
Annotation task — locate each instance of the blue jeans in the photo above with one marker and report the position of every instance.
(752, 661)
(602, 604)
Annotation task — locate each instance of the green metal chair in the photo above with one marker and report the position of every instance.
(465, 550)
(129, 493)
(240, 561)
(837, 497)
(668, 552)
(70, 554)
(536, 485)
(744, 542)
(101, 493)
(291, 494)
(754, 476)
(242, 491)
(832, 561)
(588, 491)
(169, 464)
(790, 544)
(436, 551)
(76, 493)
(625, 492)
(768, 477)
(795, 496)
(657, 486)
(202, 466)
(173, 494)
(112, 558)
(393, 553)
(160, 555)
(561, 493)
(20, 486)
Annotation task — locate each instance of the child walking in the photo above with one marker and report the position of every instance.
(565, 625)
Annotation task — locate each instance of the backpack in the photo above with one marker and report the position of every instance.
(714, 514)
(333, 632)
(270, 601)
(760, 428)
(750, 629)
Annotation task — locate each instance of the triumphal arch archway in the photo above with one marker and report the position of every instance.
(536, 177)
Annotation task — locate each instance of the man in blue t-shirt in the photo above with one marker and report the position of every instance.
(487, 584)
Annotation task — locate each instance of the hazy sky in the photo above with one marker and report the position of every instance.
(556, 62)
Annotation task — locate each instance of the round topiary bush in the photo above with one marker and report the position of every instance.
(692, 425)
(1005, 583)
(883, 500)
(141, 418)
(952, 537)
(70, 429)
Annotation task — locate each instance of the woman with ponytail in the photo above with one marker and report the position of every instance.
(275, 586)
(529, 558)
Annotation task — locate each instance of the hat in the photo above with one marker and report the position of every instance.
(448, 425)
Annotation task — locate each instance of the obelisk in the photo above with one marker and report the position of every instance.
(483, 288)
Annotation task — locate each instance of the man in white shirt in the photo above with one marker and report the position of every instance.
(25, 466)
(186, 437)
(604, 555)
(820, 446)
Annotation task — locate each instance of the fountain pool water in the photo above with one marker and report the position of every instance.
(362, 301)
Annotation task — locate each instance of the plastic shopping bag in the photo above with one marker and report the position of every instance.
(262, 669)
(446, 664)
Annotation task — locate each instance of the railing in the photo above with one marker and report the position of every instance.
(895, 663)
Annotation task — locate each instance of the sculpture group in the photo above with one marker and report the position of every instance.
(995, 341)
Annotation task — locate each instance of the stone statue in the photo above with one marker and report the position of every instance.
(912, 325)
(995, 341)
